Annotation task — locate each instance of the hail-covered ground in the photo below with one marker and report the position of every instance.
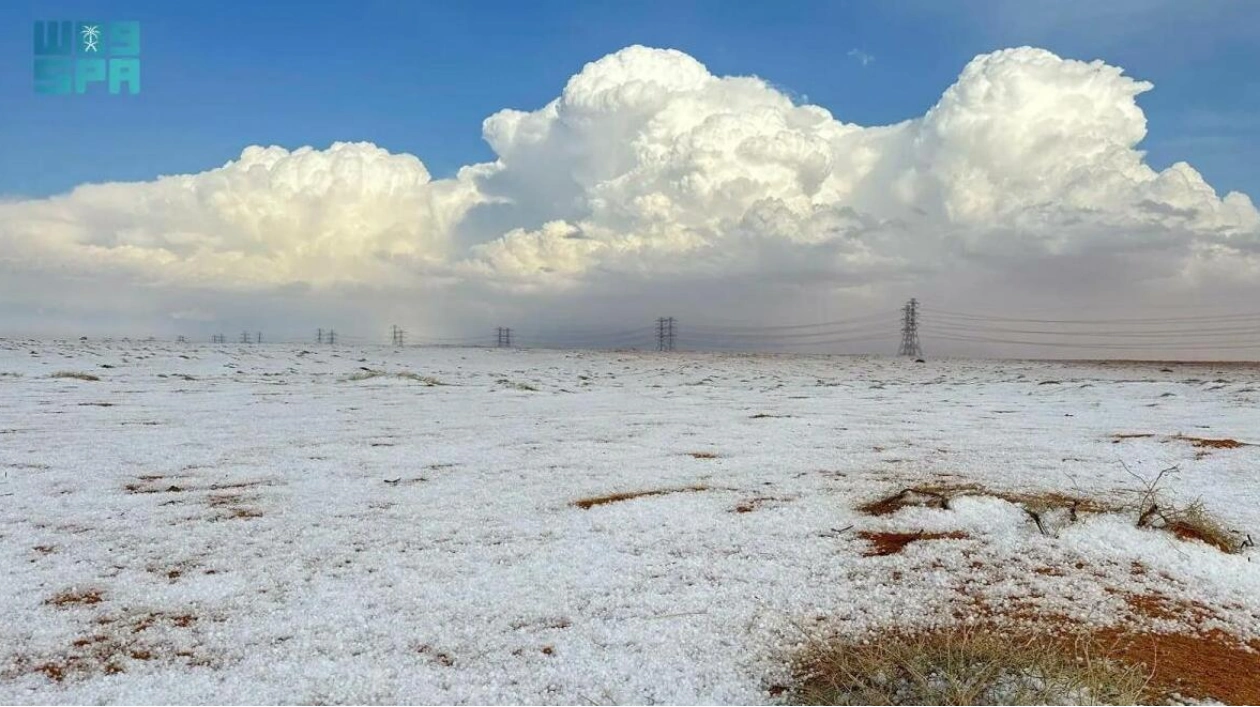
(279, 524)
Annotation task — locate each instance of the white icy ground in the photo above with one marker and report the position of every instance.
(475, 579)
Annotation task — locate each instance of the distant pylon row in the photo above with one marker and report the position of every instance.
(246, 338)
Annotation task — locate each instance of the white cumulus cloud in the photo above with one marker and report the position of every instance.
(650, 172)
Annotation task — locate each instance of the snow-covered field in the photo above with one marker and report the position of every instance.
(247, 524)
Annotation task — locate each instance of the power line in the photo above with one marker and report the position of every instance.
(788, 327)
(786, 337)
(947, 314)
(695, 343)
(1162, 334)
(1088, 345)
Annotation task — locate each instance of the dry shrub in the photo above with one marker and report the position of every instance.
(1194, 523)
(1188, 522)
(965, 667)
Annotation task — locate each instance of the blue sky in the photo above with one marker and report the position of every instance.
(419, 77)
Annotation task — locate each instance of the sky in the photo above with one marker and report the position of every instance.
(739, 162)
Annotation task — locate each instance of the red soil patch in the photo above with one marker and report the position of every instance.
(883, 544)
(1198, 442)
(106, 651)
(148, 486)
(920, 496)
(439, 657)
(246, 513)
(587, 503)
(1202, 442)
(940, 496)
(137, 488)
(73, 597)
(1159, 606)
(1209, 666)
(1190, 531)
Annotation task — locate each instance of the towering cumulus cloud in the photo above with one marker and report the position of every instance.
(650, 169)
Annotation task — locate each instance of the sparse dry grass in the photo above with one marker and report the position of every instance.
(74, 375)
(517, 386)
(751, 504)
(703, 455)
(404, 375)
(966, 667)
(591, 502)
(1130, 435)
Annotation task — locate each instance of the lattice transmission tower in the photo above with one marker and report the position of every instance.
(665, 334)
(910, 330)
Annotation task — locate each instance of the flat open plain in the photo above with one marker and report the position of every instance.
(282, 524)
